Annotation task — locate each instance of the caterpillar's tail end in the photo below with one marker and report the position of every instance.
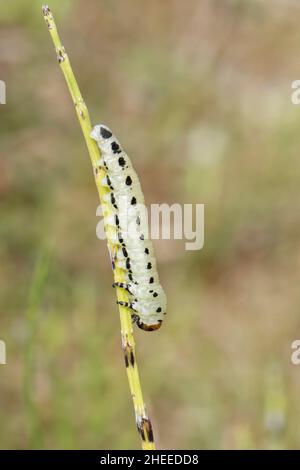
(145, 327)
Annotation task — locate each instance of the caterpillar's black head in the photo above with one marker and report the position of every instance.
(105, 132)
(101, 133)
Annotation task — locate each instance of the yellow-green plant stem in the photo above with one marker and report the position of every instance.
(128, 343)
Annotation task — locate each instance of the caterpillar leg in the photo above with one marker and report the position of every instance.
(135, 318)
(122, 285)
(98, 166)
(126, 304)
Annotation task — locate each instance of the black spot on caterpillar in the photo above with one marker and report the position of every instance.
(148, 308)
(115, 148)
(128, 180)
(113, 200)
(121, 161)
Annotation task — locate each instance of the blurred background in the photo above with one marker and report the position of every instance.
(199, 93)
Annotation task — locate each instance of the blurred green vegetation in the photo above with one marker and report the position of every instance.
(199, 95)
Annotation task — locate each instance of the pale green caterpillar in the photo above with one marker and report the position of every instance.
(134, 253)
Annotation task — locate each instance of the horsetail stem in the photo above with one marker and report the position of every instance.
(128, 344)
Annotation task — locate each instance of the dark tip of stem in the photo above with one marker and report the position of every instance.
(46, 10)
